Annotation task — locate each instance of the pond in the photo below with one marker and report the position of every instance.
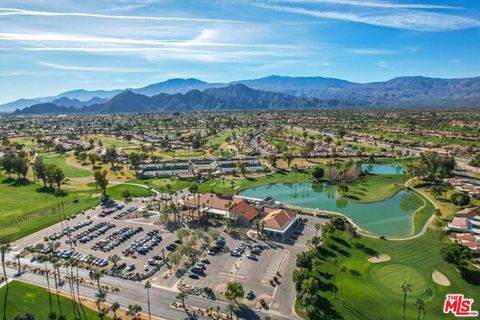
(391, 217)
(383, 168)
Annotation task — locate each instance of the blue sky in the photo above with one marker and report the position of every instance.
(47, 47)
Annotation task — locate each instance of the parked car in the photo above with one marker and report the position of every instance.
(235, 253)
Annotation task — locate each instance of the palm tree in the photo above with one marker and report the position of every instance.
(406, 288)
(230, 308)
(181, 296)
(3, 250)
(114, 259)
(45, 259)
(115, 306)
(148, 285)
(69, 278)
(420, 305)
(428, 292)
(101, 296)
(56, 266)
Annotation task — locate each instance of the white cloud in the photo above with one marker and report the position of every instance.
(456, 61)
(23, 12)
(371, 4)
(93, 69)
(370, 51)
(400, 19)
(203, 40)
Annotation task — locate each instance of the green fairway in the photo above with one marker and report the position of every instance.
(362, 284)
(109, 141)
(70, 171)
(392, 275)
(117, 192)
(23, 297)
(375, 187)
(27, 207)
(161, 184)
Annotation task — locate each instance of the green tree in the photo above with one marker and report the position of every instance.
(406, 288)
(475, 161)
(420, 306)
(148, 285)
(234, 291)
(135, 159)
(101, 181)
(460, 199)
(21, 167)
(456, 253)
(115, 306)
(39, 170)
(318, 173)
(134, 311)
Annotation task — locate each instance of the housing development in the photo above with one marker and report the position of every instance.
(131, 190)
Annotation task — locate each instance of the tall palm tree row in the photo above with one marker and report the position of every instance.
(4, 249)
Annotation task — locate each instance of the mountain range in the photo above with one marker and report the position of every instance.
(180, 94)
(232, 97)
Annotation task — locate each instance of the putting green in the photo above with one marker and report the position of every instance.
(392, 275)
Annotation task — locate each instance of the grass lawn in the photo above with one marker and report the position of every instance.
(70, 171)
(219, 138)
(242, 183)
(161, 184)
(372, 291)
(26, 208)
(108, 141)
(375, 187)
(117, 191)
(29, 142)
(23, 297)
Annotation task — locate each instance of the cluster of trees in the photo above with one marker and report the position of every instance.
(339, 174)
(456, 253)
(431, 166)
(50, 174)
(475, 161)
(15, 164)
(307, 284)
(460, 199)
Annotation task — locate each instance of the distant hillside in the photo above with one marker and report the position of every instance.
(410, 91)
(233, 97)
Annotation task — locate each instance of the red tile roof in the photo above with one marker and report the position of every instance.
(246, 210)
(278, 218)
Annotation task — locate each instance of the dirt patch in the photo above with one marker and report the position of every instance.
(379, 259)
(440, 278)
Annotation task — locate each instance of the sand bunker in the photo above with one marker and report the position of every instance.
(440, 278)
(379, 259)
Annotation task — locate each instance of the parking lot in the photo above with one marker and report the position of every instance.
(93, 237)
(256, 267)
